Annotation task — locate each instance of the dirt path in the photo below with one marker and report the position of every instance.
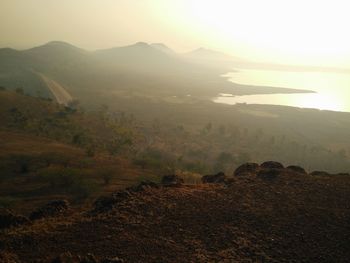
(59, 92)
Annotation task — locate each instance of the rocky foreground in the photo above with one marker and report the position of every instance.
(263, 213)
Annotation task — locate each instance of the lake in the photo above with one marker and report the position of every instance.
(332, 89)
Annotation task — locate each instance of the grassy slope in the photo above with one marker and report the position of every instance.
(23, 190)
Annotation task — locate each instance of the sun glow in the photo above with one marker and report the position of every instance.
(309, 29)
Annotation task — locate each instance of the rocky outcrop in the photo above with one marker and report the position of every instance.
(143, 186)
(6, 257)
(271, 165)
(113, 260)
(269, 173)
(9, 219)
(214, 179)
(254, 219)
(106, 203)
(172, 180)
(297, 169)
(51, 209)
(319, 173)
(89, 258)
(247, 169)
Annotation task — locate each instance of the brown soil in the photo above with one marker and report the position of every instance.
(292, 218)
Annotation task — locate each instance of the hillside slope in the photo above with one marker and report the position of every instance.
(283, 216)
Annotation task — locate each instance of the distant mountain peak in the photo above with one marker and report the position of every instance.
(56, 45)
(141, 44)
(159, 45)
(209, 54)
(162, 47)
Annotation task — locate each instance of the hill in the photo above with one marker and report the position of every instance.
(145, 69)
(211, 56)
(43, 142)
(265, 215)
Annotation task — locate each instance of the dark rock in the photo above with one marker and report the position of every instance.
(269, 174)
(214, 179)
(297, 169)
(319, 173)
(66, 258)
(343, 174)
(8, 219)
(90, 258)
(106, 203)
(172, 180)
(247, 169)
(112, 260)
(6, 257)
(143, 186)
(272, 165)
(51, 209)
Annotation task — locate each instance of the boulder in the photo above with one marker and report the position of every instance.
(269, 174)
(172, 180)
(343, 174)
(144, 185)
(247, 169)
(214, 179)
(297, 169)
(6, 257)
(272, 165)
(90, 258)
(51, 209)
(319, 173)
(66, 258)
(113, 260)
(106, 203)
(8, 219)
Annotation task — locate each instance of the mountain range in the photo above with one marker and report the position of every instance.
(142, 68)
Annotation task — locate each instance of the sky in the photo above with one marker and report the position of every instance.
(280, 31)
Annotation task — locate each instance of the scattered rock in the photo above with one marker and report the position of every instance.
(297, 169)
(172, 180)
(8, 219)
(272, 165)
(269, 174)
(51, 209)
(343, 174)
(66, 258)
(90, 258)
(319, 173)
(112, 260)
(106, 203)
(6, 257)
(247, 169)
(143, 186)
(214, 179)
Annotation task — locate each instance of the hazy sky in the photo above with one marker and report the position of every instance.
(284, 31)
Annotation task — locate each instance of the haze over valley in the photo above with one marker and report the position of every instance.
(174, 131)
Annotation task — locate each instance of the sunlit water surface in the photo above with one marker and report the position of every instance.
(332, 89)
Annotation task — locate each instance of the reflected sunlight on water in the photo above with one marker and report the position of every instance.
(333, 90)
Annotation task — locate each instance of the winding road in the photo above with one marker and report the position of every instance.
(58, 91)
